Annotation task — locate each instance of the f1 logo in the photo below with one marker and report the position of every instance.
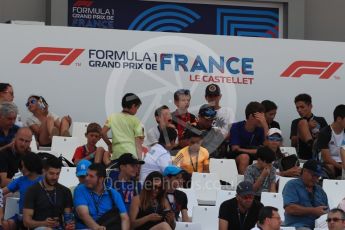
(83, 3)
(323, 69)
(65, 56)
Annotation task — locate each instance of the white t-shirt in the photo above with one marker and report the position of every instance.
(152, 136)
(32, 120)
(157, 159)
(225, 117)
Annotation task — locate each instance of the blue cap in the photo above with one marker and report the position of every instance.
(82, 167)
(172, 170)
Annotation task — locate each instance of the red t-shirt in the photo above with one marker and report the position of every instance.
(181, 120)
(80, 153)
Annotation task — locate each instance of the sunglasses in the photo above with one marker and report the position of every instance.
(32, 102)
(333, 219)
(183, 91)
(274, 138)
(209, 113)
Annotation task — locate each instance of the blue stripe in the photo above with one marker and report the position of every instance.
(251, 26)
(250, 19)
(166, 21)
(149, 20)
(162, 7)
(169, 28)
(255, 12)
(254, 34)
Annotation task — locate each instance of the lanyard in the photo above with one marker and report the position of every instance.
(196, 163)
(96, 203)
(239, 218)
(50, 199)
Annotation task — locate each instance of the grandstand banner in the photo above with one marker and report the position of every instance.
(85, 72)
(254, 20)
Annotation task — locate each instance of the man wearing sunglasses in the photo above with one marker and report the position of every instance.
(336, 219)
(304, 199)
(241, 212)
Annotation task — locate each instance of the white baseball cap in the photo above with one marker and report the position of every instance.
(272, 131)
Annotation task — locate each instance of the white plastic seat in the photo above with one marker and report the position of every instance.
(68, 177)
(282, 182)
(287, 151)
(335, 190)
(224, 195)
(33, 145)
(12, 207)
(207, 216)
(206, 186)
(65, 146)
(192, 200)
(79, 130)
(274, 200)
(188, 226)
(226, 170)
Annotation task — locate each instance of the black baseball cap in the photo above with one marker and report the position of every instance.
(128, 158)
(212, 90)
(208, 112)
(313, 166)
(245, 188)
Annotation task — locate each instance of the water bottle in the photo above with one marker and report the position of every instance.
(68, 217)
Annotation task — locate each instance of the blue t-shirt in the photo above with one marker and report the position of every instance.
(295, 192)
(240, 136)
(21, 184)
(127, 189)
(85, 197)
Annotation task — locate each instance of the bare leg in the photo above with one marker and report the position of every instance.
(99, 154)
(303, 131)
(242, 163)
(64, 126)
(46, 131)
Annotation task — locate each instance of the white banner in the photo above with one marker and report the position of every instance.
(85, 72)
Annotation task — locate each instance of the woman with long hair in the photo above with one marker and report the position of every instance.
(45, 124)
(150, 210)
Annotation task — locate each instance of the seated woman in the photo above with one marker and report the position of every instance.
(287, 166)
(31, 168)
(45, 124)
(193, 158)
(7, 95)
(150, 209)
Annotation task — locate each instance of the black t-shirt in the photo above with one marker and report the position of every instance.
(9, 161)
(181, 202)
(36, 198)
(229, 211)
(304, 150)
(274, 124)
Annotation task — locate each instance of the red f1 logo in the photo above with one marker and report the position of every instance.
(323, 69)
(63, 55)
(83, 3)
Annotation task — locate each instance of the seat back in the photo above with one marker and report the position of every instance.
(65, 146)
(282, 182)
(335, 190)
(192, 200)
(206, 216)
(274, 200)
(206, 186)
(226, 170)
(187, 226)
(11, 208)
(68, 177)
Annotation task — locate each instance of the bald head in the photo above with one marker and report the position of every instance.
(22, 140)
